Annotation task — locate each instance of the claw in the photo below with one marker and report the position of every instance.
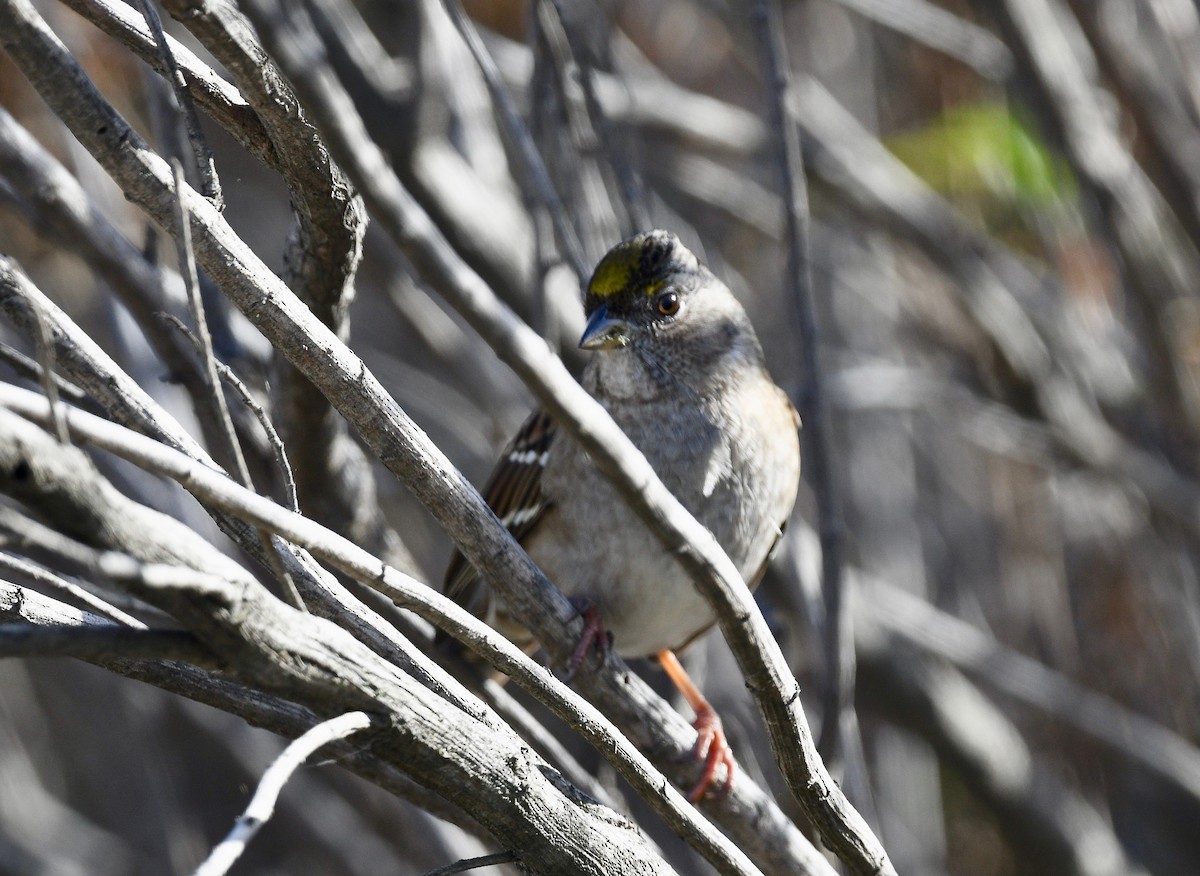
(713, 748)
(594, 635)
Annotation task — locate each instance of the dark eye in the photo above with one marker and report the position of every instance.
(668, 304)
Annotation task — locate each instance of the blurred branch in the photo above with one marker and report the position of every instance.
(519, 136)
(102, 643)
(1166, 126)
(439, 134)
(1003, 296)
(559, 32)
(1160, 261)
(838, 694)
(646, 99)
(1135, 738)
(1057, 828)
(941, 30)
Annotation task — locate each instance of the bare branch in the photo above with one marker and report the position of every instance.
(48, 579)
(202, 157)
(471, 864)
(262, 805)
(218, 98)
(103, 643)
(519, 134)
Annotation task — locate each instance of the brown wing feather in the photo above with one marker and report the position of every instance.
(514, 492)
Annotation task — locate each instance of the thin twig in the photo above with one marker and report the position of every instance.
(519, 135)
(191, 282)
(206, 168)
(187, 266)
(264, 419)
(48, 579)
(839, 648)
(472, 864)
(262, 804)
(45, 354)
(633, 192)
(29, 368)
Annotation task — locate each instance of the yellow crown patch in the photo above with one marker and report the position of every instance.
(612, 274)
(625, 268)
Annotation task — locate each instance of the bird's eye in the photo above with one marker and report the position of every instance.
(668, 304)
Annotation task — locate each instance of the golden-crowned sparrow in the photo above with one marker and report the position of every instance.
(679, 368)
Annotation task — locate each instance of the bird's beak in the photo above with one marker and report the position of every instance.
(604, 332)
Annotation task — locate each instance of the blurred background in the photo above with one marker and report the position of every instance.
(1005, 220)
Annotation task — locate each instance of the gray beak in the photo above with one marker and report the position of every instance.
(604, 332)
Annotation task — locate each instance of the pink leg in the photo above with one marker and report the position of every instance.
(711, 745)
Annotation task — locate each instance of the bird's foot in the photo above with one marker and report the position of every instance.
(713, 748)
(594, 635)
(711, 745)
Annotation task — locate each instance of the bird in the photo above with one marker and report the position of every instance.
(676, 362)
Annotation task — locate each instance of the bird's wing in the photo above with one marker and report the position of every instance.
(514, 492)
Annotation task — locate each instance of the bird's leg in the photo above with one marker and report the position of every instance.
(711, 745)
(594, 634)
